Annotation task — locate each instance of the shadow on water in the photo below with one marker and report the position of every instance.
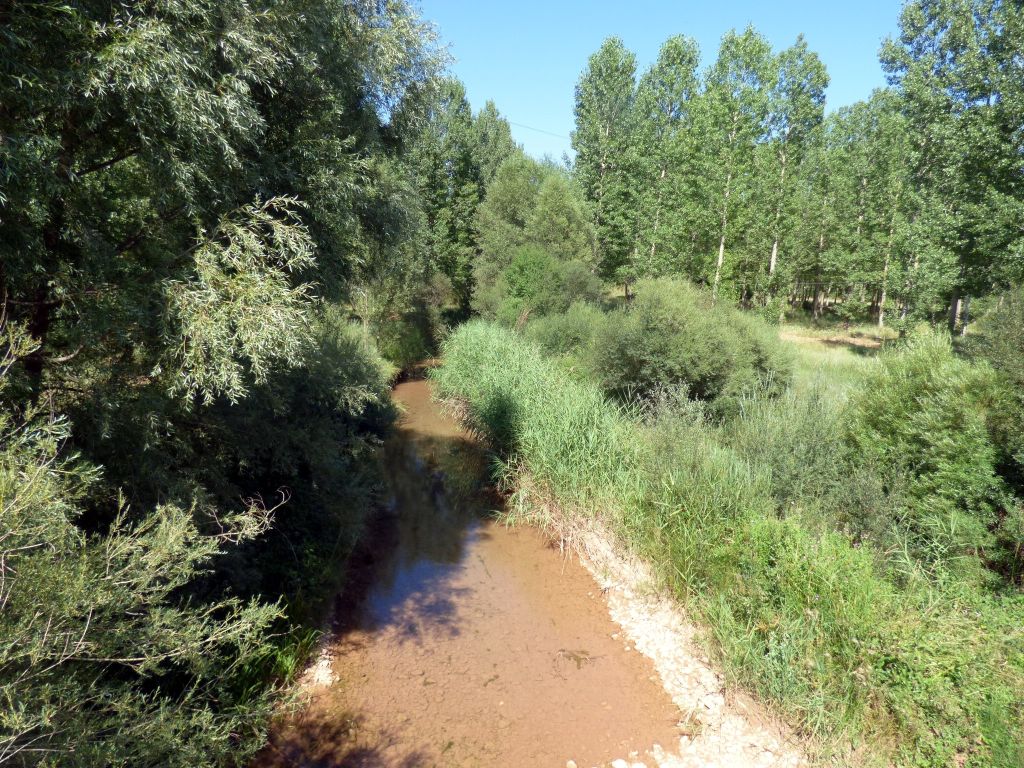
(399, 578)
(336, 740)
(401, 572)
(460, 643)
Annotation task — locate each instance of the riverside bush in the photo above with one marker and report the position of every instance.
(806, 617)
(566, 332)
(1000, 341)
(922, 415)
(672, 335)
(537, 283)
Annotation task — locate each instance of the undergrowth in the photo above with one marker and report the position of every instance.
(798, 592)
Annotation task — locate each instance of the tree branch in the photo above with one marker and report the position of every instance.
(107, 163)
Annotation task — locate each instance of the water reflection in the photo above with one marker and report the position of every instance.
(439, 500)
(462, 643)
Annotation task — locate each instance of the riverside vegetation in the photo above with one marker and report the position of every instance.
(853, 563)
(225, 227)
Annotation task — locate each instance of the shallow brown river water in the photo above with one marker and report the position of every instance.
(463, 643)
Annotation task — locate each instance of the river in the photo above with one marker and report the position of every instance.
(461, 642)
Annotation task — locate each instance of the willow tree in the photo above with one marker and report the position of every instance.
(190, 190)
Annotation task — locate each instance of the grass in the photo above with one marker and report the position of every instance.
(832, 327)
(744, 524)
(831, 357)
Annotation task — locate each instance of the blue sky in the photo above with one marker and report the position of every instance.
(527, 55)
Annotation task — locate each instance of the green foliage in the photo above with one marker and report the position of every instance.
(587, 454)
(194, 195)
(773, 312)
(103, 658)
(494, 141)
(1000, 341)
(663, 148)
(558, 221)
(528, 204)
(673, 336)
(445, 156)
(604, 103)
(405, 339)
(796, 610)
(735, 177)
(538, 284)
(799, 441)
(536, 244)
(509, 205)
(238, 313)
(955, 66)
(922, 414)
(567, 332)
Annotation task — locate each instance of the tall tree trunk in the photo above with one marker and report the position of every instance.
(38, 327)
(885, 279)
(774, 260)
(721, 239)
(599, 215)
(38, 324)
(657, 213)
(860, 209)
(725, 210)
(966, 316)
(954, 310)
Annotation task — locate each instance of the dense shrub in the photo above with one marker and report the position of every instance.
(77, 605)
(922, 415)
(798, 440)
(672, 335)
(536, 283)
(209, 585)
(1000, 341)
(403, 340)
(314, 432)
(569, 331)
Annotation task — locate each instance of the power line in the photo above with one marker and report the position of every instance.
(539, 130)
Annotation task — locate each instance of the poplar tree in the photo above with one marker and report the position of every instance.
(663, 147)
(493, 140)
(446, 157)
(732, 120)
(812, 232)
(957, 65)
(796, 108)
(892, 201)
(604, 109)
